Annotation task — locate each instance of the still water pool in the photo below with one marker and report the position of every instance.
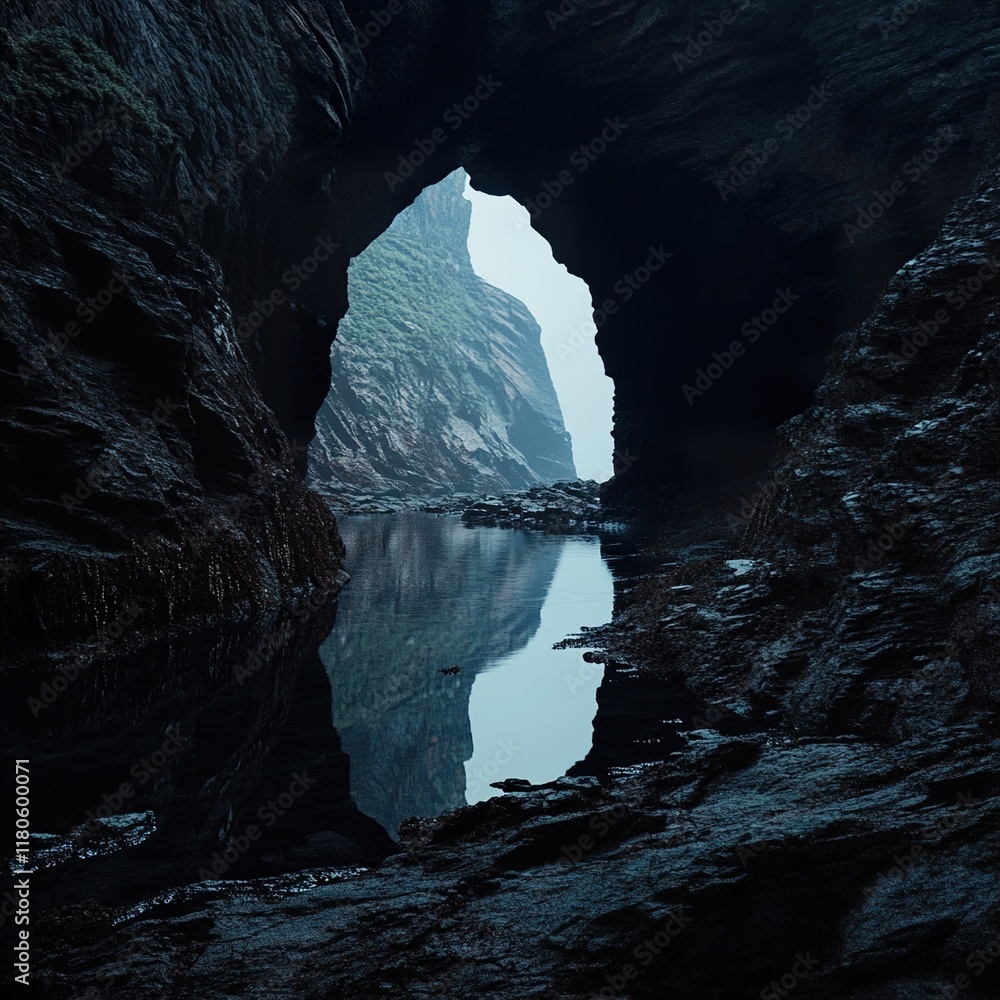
(442, 670)
(434, 678)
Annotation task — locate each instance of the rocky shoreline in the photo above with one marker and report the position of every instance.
(562, 508)
(844, 847)
(570, 507)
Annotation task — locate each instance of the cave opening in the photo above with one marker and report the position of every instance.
(466, 363)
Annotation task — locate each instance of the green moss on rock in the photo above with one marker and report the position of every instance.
(59, 65)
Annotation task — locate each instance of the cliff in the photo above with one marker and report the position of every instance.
(439, 383)
(140, 461)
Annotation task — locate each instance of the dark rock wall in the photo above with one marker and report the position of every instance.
(699, 115)
(147, 156)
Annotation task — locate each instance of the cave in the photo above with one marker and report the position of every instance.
(787, 216)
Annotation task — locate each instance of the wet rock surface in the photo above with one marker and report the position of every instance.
(756, 849)
(570, 507)
(142, 466)
(562, 508)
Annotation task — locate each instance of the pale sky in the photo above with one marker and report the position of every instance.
(543, 735)
(508, 253)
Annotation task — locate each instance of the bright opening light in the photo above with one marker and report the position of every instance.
(509, 254)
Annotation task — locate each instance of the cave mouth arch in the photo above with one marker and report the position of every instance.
(448, 377)
(619, 150)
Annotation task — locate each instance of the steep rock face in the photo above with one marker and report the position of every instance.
(143, 152)
(440, 384)
(865, 598)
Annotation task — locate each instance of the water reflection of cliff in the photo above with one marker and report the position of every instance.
(426, 594)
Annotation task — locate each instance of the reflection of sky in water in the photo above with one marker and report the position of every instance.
(532, 712)
(427, 594)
